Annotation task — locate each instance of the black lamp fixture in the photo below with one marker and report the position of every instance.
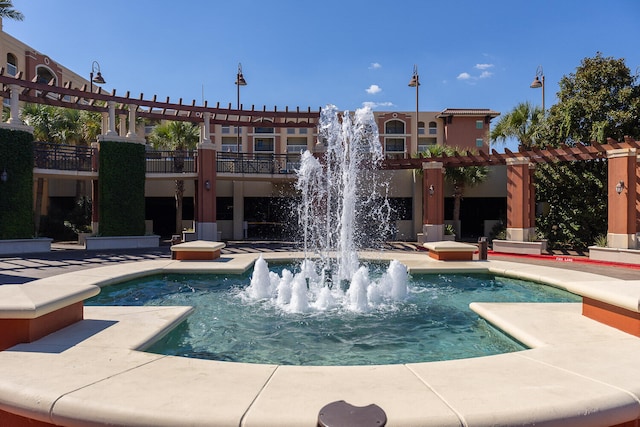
(207, 185)
(538, 82)
(432, 190)
(620, 187)
(415, 82)
(240, 81)
(98, 79)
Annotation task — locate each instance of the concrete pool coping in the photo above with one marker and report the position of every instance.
(578, 372)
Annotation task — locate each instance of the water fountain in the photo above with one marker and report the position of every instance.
(343, 207)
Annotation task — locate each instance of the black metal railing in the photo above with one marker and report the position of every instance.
(257, 163)
(180, 161)
(48, 155)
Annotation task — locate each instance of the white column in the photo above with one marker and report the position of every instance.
(205, 130)
(112, 118)
(132, 121)
(14, 115)
(122, 127)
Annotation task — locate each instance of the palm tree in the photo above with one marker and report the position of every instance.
(180, 137)
(522, 123)
(7, 11)
(460, 178)
(57, 125)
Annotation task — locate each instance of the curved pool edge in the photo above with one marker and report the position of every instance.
(583, 373)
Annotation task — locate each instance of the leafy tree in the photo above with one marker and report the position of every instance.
(522, 123)
(600, 100)
(180, 137)
(460, 178)
(7, 11)
(62, 125)
(59, 125)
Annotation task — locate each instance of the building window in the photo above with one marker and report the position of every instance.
(479, 124)
(394, 147)
(263, 144)
(12, 64)
(263, 130)
(291, 131)
(296, 145)
(433, 128)
(224, 208)
(394, 127)
(479, 142)
(45, 76)
(303, 131)
(420, 128)
(226, 129)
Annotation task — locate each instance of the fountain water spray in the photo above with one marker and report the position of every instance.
(343, 206)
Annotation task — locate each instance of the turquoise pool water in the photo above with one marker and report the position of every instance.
(433, 323)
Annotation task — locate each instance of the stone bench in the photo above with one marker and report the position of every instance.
(614, 303)
(35, 309)
(451, 251)
(202, 250)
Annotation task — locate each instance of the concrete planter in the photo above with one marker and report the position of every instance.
(518, 247)
(122, 242)
(82, 238)
(626, 256)
(24, 246)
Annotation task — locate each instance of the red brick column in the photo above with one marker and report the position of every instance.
(520, 200)
(206, 226)
(432, 201)
(622, 198)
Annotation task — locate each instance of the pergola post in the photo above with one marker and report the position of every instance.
(520, 200)
(432, 201)
(622, 198)
(206, 226)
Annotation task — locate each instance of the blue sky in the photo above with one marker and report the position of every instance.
(469, 54)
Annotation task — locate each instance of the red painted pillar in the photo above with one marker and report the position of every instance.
(520, 200)
(622, 198)
(432, 201)
(206, 226)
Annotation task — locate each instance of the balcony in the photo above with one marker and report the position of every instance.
(248, 163)
(49, 155)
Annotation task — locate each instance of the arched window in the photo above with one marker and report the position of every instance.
(12, 64)
(45, 75)
(264, 129)
(433, 128)
(394, 127)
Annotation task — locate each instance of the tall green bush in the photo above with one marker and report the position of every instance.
(16, 193)
(121, 189)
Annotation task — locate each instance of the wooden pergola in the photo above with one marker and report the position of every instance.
(622, 156)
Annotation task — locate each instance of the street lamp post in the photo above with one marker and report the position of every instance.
(98, 79)
(538, 82)
(240, 81)
(415, 82)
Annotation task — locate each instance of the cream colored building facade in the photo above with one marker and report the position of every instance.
(247, 201)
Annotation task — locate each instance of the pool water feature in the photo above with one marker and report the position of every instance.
(432, 323)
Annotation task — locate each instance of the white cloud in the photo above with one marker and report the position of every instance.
(464, 76)
(375, 66)
(485, 74)
(373, 89)
(374, 105)
(483, 66)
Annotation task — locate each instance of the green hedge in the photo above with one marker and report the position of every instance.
(16, 194)
(121, 188)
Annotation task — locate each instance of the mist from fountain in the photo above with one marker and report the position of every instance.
(343, 206)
